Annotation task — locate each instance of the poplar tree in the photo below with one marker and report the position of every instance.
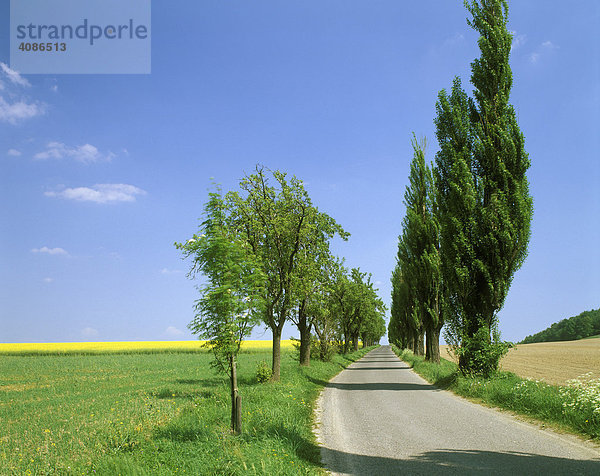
(418, 253)
(484, 200)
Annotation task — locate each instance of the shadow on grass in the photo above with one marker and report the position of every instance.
(182, 431)
(302, 447)
(459, 462)
(316, 381)
(446, 381)
(189, 381)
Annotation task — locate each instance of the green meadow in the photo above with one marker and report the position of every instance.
(165, 413)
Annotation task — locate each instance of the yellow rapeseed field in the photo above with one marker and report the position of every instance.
(133, 346)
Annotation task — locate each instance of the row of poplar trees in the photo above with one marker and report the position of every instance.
(264, 255)
(467, 223)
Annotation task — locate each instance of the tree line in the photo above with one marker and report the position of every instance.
(264, 253)
(586, 324)
(467, 224)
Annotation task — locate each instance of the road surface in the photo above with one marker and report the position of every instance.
(379, 417)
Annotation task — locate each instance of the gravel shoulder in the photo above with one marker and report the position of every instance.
(379, 417)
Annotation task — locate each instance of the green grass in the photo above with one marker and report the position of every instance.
(505, 390)
(165, 413)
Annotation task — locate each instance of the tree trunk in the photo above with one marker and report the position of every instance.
(346, 342)
(355, 342)
(276, 354)
(304, 328)
(433, 345)
(236, 413)
(421, 344)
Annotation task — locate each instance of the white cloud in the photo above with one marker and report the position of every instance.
(48, 280)
(518, 40)
(170, 271)
(173, 332)
(19, 111)
(100, 193)
(11, 109)
(50, 251)
(54, 88)
(14, 76)
(89, 332)
(453, 40)
(544, 49)
(14, 152)
(86, 153)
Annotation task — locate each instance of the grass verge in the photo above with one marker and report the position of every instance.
(167, 413)
(567, 408)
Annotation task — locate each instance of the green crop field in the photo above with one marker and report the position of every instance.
(164, 413)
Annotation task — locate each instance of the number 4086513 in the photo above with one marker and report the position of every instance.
(43, 47)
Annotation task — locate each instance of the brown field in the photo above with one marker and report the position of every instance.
(553, 362)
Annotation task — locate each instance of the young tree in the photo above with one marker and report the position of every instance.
(230, 300)
(493, 216)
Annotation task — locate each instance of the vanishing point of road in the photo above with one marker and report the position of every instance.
(378, 417)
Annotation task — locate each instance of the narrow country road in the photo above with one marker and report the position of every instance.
(378, 417)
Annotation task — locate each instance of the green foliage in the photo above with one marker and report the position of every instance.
(481, 355)
(399, 331)
(263, 372)
(323, 350)
(232, 298)
(483, 193)
(289, 237)
(360, 310)
(417, 292)
(584, 325)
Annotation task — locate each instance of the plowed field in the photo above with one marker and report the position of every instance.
(553, 362)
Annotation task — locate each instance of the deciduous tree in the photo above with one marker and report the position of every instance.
(231, 299)
(485, 205)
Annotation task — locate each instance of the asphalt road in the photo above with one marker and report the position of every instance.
(379, 417)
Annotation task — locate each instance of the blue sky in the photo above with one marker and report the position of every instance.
(100, 174)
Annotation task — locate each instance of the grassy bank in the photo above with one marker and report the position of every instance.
(575, 407)
(165, 413)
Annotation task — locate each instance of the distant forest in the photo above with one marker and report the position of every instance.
(584, 325)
